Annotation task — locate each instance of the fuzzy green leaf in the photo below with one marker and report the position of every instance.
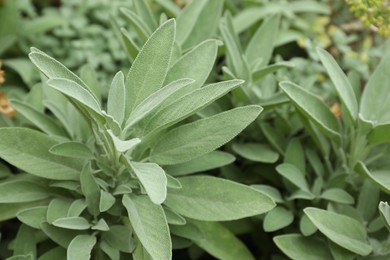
(256, 152)
(379, 135)
(29, 150)
(200, 137)
(277, 218)
(33, 217)
(22, 191)
(72, 150)
(205, 198)
(90, 189)
(342, 230)
(150, 225)
(75, 223)
(120, 237)
(384, 210)
(80, 248)
(337, 195)
(294, 175)
(116, 102)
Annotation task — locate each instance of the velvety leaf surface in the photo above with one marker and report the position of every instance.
(80, 248)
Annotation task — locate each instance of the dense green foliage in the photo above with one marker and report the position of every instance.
(193, 130)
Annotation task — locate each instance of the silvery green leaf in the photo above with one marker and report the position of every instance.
(61, 236)
(111, 252)
(384, 210)
(369, 195)
(72, 150)
(57, 208)
(75, 223)
(149, 69)
(337, 195)
(35, 157)
(80, 248)
(116, 101)
(131, 47)
(123, 146)
(90, 189)
(145, 14)
(150, 225)
(173, 218)
(379, 135)
(188, 230)
(15, 191)
(202, 136)
(261, 73)
(76, 208)
(294, 175)
(277, 218)
(107, 200)
(89, 76)
(255, 152)
(138, 24)
(342, 230)
(120, 237)
(33, 217)
(101, 225)
(190, 104)
(204, 198)
(202, 163)
(153, 179)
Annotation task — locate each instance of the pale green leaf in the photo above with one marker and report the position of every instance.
(120, 237)
(293, 174)
(15, 191)
(80, 248)
(60, 236)
(342, 230)
(379, 135)
(73, 150)
(33, 217)
(76, 208)
(101, 225)
(150, 225)
(203, 136)
(75, 223)
(106, 201)
(341, 83)
(137, 23)
(29, 150)
(123, 146)
(57, 208)
(256, 152)
(312, 107)
(90, 189)
(173, 218)
(116, 101)
(145, 14)
(205, 198)
(277, 218)
(306, 227)
(384, 210)
(337, 195)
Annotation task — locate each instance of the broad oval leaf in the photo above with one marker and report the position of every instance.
(33, 217)
(312, 107)
(379, 135)
(298, 247)
(337, 195)
(294, 175)
(29, 150)
(341, 82)
(72, 150)
(80, 248)
(22, 191)
(150, 225)
(256, 152)
(205, 198)
(277, 218)
(120, 237)
(200, 137)
(342, 230)
(149, 69)
(75, 223)
(153, 179)
(374, 103)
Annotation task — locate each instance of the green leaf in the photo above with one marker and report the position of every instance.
(153, 179)
(90, 189)
(337, 195)
(205, 198)
(277, 218)
(57, 208)
(380, 176)
(306, 227)
(256, 152)
(150, 225)
(75, 223)
(123, 146)
(60, 236)
(203, 136)
(189, 104)
(342, 230)
(106, 201)
(116, 101)
(312, 107)
(16, 191)
(195, 64)
(57, 253)
(33, 217)
(272, 192)
(261, 73)
(298, 247)
(76, 208)
(154, 100)
(145, 14)
(42, 121)
(72, 150)
(109, 250)
(368, 199)
(379, 135)
(9, 211)
(374, 105)
(220, 242)
(340, 253)
(29, 150)
(211, 160)
(25, 242)
(137, 23)
(80, 248)
(173, 218)
(341, 82)
(130, 46)
(384, 210)
(120, 237)
(188, 230)
(54, 69)
(89, 76)
(295, 155)
(294, 175)
(149, 69)
(262, 43)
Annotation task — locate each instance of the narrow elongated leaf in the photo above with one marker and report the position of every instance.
(150, 225)
(262, 43)
(256, 152)
(75, 223)
(341, 82)
(342, 230)
(80, 248)
(154, 100)
(149, 69)
(57, 208)
(42, 121)
(54, 69)
(190, 104)
(120, 237)
(195, 64)
(211, 160)
(379, 135)
(368, 199)
(299, 247)
(200, 137)
(22, 191)
(384, 210)
(138, 24)
(116, 98)
(220, 242)
(204, 198)
(152, 178)
(337, 195)
(261, 73)
(145, 13)
(130, 46)
(73, 150)
(29, 150)
(312, 107)
(9, 211)
(294, 175)
(90, 189)
(374, 104)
